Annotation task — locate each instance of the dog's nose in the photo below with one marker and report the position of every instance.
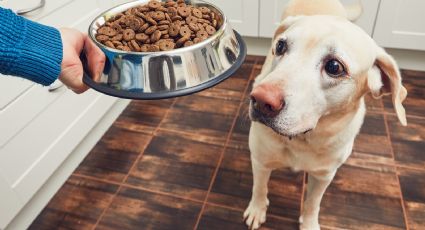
(267, 99)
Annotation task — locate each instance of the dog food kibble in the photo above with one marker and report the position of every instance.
(185, 31)
(102, 38)
(197, 13)
(210, 30)
(151, 30)
(202, 34)
(128, 34)
(204, 10)
(154, 5)
(142, 37)
(158, 26)
(156, 36)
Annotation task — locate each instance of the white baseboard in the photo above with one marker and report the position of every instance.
(406, 59)
(48, 190)
(409, 59)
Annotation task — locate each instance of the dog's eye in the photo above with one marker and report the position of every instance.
(335, 68)
(281, 47)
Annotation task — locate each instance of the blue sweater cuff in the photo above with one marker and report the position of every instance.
(37, 53)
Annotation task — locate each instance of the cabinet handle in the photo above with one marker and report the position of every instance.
(55, 86)
(31, 9)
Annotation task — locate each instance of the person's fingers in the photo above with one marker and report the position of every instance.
(72, 77)
(95, 58)
(71, 68)
(75, 42)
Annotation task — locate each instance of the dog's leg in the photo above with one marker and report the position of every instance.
(255, 214)
(317, 184)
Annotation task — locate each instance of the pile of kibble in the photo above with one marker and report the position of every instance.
(158, 26)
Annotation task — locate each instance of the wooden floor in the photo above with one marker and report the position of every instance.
(184, 164)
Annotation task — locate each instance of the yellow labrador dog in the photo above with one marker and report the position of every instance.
(307, 105)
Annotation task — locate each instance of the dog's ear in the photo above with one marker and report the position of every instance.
(285, 24)
(384, 79)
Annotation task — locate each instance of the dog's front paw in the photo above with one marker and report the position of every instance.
(255, 214)
(308, 224)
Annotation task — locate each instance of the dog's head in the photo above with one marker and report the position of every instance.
(321, 65)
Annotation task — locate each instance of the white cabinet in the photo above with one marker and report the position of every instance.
(368, 16)
(11, 88)
(242, 14)
(401, 24)
(39, 128)
(9, 201)
(271, 13)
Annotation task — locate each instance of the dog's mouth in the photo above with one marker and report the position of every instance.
(255, 116)
(290, 136)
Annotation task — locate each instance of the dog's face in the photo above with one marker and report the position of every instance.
(321, 65)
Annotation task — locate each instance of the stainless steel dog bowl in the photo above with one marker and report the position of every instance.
(158, 75)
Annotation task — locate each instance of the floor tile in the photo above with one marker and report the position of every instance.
(221, 218)
(371, 161)
(77, 205)
(113, 156)
(204, 116)
(373, 138)
(233, 88)
(360, 198)
(372, 104)
(415, 101)
(260, 60)
(255, 72)
(230, 89)
(408, 142)
(177, 164)
(413, 188)
(143, 116)
(252, 59)
(135, 209)
(233, 186)
(239, 136)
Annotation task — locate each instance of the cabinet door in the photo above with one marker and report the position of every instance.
(21, 100)
(401, 24)
(9, 203)
(271, 13)
(242, 15)
(11, 88)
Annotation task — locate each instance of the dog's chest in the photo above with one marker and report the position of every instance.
(307, 152)
(301, 155)
(297, 154)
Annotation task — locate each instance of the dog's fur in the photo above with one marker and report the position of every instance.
(316, 128)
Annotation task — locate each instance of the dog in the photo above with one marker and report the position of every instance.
(307, 104)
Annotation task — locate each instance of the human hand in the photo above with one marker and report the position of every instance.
(74, 42)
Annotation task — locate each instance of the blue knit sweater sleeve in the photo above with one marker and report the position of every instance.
(28, 49)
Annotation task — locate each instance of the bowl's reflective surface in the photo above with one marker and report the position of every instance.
(172, 73)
